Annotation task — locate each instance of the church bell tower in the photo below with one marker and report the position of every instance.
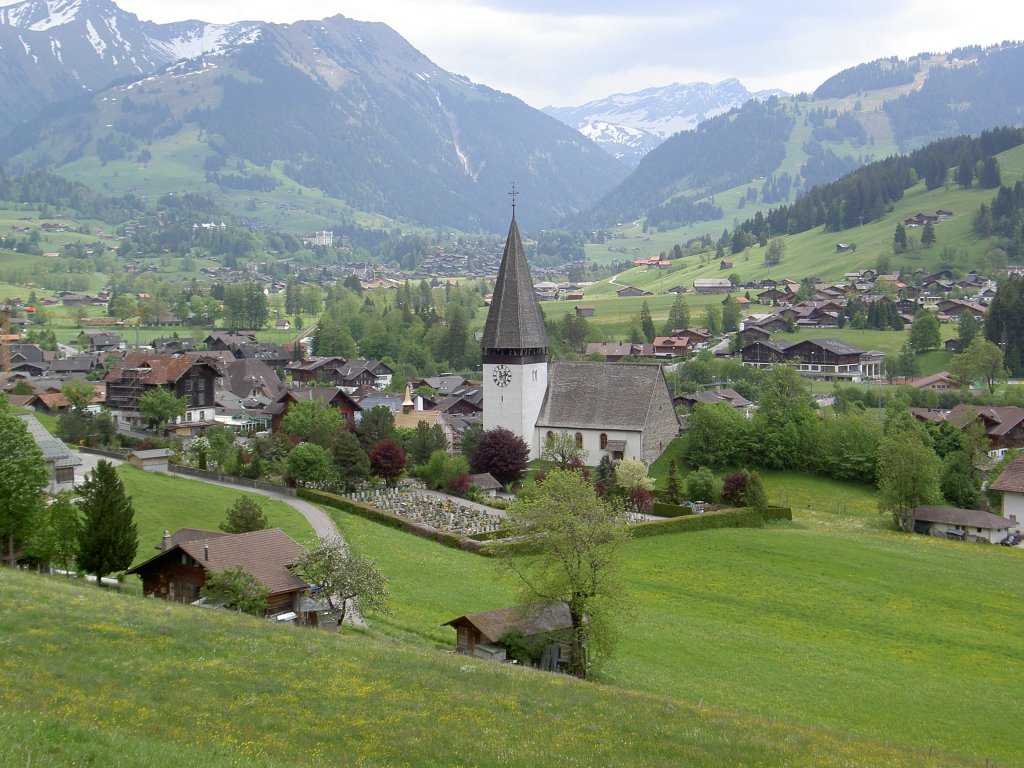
(515, 347)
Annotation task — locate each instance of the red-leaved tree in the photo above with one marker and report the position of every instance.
(502, 453)
(387, 461)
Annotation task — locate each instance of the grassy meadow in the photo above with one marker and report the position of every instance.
(96, 678)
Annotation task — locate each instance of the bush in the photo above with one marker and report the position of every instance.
(729, 518)
(734, 488)
(702, 485)
(442, 470)
(777, 513)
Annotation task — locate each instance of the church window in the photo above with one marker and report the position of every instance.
(604, 441)
(579, 439)
(550, 435)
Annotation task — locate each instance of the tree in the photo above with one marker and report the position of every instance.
(990, 176)
(245, 515)
(907, 364)
(775, 252)
(502, 453)
(899, 239)
(22, 479)
(678, 316)
(108, 537)
(442, 471)
(702, 485)
(159, 406)
(351, 464)
(981, 360)
(238, 590)
(928, 235)
(960, 483)
(309, 464)
(734, 488)
(567, 543)
(423, 441)
(377, 424)
(470, 438)
(730, 314)
(387, 461)
(631, 477)
(561, 448)
(756, 497)
(924, 333)
(713, 319)
(967, 329)
(54, 537)
(312, 421)
(79, 393)
(673, 491)
(908, 475)
(343, 577)
(646, 322)
(965, 171)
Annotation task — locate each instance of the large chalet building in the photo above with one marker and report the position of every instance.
(190, 376)
(822, 359)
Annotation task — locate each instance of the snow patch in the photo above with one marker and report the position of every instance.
(28, 50)
(94, 39)
(55, 50)
(208, 38)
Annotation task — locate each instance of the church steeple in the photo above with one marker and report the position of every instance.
(515, 326)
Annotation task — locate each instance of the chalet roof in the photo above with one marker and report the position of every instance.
(605, 396)
(514, 320)
(493, 624)
(242, 375)
(973, 518)
(264, 554)
(1012, 477)
(53, 449)
(163, 369)
(324, 394)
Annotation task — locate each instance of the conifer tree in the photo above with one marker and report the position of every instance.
(109, 537)
(646, 322)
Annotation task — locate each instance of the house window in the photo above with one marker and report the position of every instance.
(579, 439)
(604, 441)
(550, 435)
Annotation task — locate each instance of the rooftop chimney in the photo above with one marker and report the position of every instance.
(165, 542)
(206, 551)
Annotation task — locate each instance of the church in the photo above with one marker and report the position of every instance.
(619, 410)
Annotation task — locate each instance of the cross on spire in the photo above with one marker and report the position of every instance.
(513, 194)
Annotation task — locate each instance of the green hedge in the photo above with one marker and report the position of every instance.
(727, 518)
(662, 509)
(778, 513)
(392, 521)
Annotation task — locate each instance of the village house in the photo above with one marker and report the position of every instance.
(712, 285)
(59, 460)
(821, 359)
(963, 524)
(1004, 425)
(480, 634)
(614, 351)
(1010, 485)
(189, 557)
(332, 397)
(188, 376)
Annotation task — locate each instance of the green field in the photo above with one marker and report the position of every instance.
(165, 502)
(94, 678)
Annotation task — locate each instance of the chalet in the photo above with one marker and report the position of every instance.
(274, 355)
(189, 557)
(728, 396)
(98, 341)
(1004, 425)
(669, 346)
(221, 340)
(282, 324)
(479, 634)
(1010, 485)
(775, 296)
(332, 397)
(843, 247)
(323, 369)
(821, 359)
(188, 376)
(486, 483)
(937, 382)
(951, 309)
(445, 384)
(962, 524)
(625, 412)
(173, 345)
(723, 264)
(613, 351)
(712, 285)
(59, 460)
(30, 359)
(251, 379)
(584, 310)
(631, 291)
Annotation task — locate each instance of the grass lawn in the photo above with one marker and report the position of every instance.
(120, 681)
(821, 623)
(165, 502)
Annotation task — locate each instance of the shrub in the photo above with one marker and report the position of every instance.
(702, 485)
(729, 518)
(734, 488)
(662, 509)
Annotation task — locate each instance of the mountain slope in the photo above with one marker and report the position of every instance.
(347, 107)
(51, 50)
(629, 125)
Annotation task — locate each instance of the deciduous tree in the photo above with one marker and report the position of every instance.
(924, 333)
(567, 549)
(502, 453)
(159, 406)
(309, 464)
(908, 475)
(343, 578)
(22, 479)
(237, 590)
(312, 421)
(561, 448)
(54, 537)
(387, 461)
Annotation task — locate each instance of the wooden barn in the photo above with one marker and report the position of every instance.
(479, 634)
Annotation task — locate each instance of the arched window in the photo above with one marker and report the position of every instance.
(579, 439)
(604, 441)
(549, 436)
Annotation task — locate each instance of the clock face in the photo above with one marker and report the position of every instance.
(502, 375)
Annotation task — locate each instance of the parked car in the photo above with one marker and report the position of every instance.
(1012, 540)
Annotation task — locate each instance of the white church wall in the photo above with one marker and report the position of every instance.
(517, 404)
(592, 442)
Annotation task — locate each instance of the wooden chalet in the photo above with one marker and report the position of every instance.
(190, 556)
(1004, 425)
(332, 397)
(190, 376)
(822, 359)
(479, 634)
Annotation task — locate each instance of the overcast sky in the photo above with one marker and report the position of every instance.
(567, 52)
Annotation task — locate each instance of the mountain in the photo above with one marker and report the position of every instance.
(629, 125)
(51, 50)
(345, 107)
(766, 153)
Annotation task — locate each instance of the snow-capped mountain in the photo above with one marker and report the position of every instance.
(51, 50)
(629, 125)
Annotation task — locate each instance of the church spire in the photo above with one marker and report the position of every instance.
(515, 326)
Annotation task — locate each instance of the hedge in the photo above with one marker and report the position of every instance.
(392, 521)
(661, 509)
(728, 518)
(777, 513)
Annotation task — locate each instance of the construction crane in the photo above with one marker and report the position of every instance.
(6, 337)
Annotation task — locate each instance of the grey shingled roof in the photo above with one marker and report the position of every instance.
(972, 518)
(493, 624)
(514, 320)
(604, 396)
(53, 449)
(1012, 477)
